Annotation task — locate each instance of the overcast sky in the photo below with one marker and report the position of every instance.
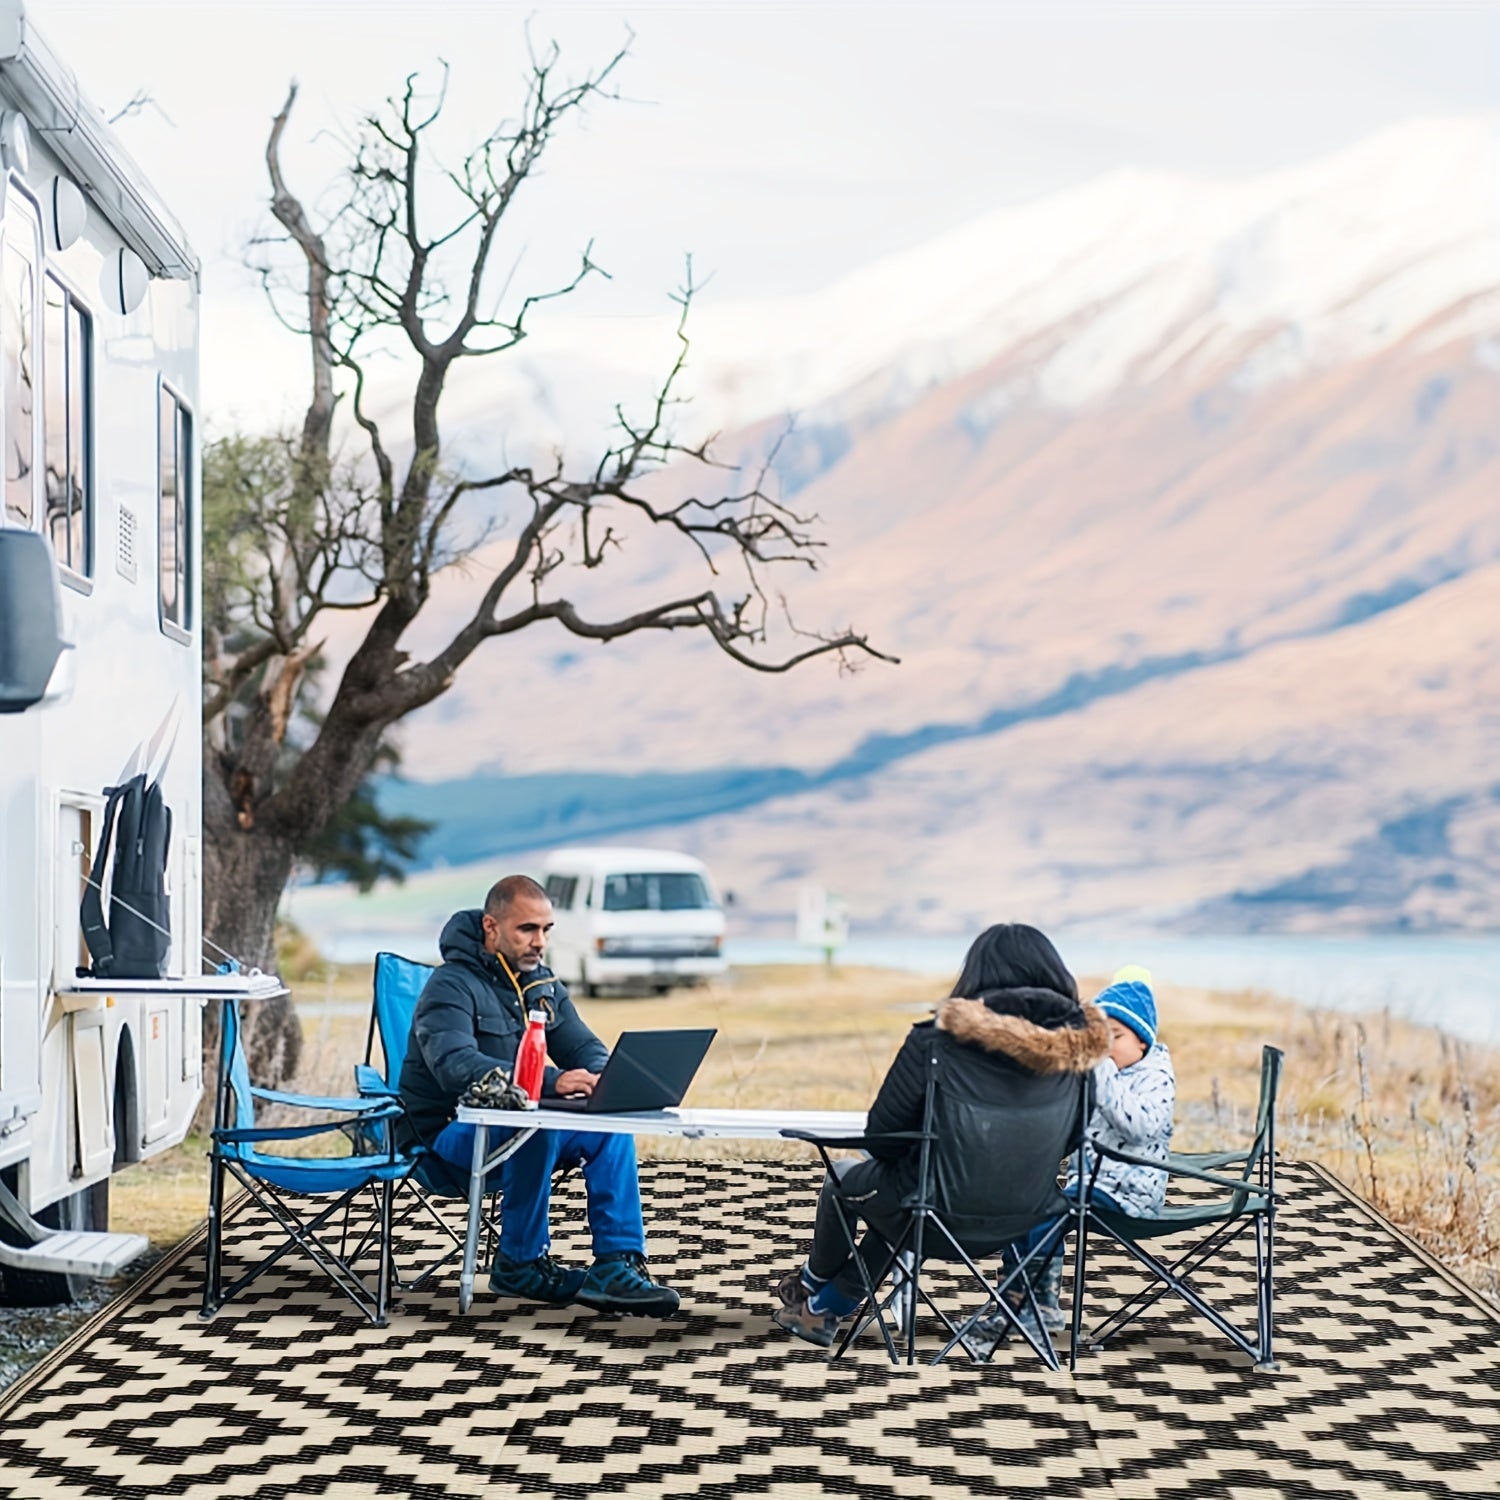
(783, 142)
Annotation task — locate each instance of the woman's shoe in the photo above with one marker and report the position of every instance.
(791, 1289)
(799, 1319)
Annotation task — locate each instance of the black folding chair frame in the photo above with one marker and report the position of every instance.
(911, 1242)
(1251, 1205)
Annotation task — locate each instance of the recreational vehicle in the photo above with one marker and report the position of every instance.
(638, 918)
(98, 413)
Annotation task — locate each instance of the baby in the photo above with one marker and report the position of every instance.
(1134, 1094)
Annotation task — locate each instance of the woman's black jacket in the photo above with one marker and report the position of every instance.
(1007, 1069)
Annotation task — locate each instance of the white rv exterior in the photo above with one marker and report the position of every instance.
(98, 412)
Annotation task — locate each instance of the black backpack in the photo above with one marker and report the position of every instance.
(135, 943)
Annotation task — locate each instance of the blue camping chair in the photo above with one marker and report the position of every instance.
(276, 1182)
(399, 983)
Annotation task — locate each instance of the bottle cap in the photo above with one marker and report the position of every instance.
(538, 1015)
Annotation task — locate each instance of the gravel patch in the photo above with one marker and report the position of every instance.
(29, 1334)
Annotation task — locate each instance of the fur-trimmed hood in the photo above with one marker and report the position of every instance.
(1043, 1032)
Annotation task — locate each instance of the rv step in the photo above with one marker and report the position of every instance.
(76, 1252)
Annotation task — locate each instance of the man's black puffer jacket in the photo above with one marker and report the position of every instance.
(469, 1019)
(1006, 1069)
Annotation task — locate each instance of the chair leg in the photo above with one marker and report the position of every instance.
(870, 1308)
(387, 1254)
(1080, 1250)
(1264, 1287)
(914, 1285)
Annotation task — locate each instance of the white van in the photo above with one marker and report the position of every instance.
(642, 918)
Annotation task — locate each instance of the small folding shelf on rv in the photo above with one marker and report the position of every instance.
(83, 993)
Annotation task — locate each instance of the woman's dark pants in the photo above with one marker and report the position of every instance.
(877, 1201)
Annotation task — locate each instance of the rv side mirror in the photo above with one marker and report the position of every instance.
(30, 619)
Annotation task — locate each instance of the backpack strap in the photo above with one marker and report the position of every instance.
(95, 930)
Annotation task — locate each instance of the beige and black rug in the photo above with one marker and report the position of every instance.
(1389, 1383)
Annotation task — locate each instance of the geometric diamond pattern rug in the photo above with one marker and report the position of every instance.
(1389, 1381)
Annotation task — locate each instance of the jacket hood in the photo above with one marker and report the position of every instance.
(462, 939)
(1042, 1031)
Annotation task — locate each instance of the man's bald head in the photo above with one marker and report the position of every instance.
(504, 892)
(517, 919)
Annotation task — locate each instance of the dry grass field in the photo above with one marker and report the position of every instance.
(1404, 1113)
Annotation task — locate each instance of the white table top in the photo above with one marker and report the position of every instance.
(694, 1124)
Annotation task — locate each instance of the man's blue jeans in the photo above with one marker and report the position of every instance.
(525, 1180)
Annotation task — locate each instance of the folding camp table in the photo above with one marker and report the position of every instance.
(691, 1124)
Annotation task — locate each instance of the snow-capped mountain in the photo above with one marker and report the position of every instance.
(1131, 278)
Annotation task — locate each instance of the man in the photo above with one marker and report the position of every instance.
(469, 1019)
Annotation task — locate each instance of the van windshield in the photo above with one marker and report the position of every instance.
(666, 890)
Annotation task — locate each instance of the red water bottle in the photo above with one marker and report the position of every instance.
(531, 1057)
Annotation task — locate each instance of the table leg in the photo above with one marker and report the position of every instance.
(476, 1204)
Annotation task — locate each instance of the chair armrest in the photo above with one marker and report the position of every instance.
(293, 1132)
(854, 1142)
(356, 1106)
(1177, 1169)
(369, 1080)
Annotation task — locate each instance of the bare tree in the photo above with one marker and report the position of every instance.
(298, 528)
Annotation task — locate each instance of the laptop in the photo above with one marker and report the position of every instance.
(646, 1070)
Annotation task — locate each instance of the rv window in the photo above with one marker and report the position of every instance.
(175, 469)
(666, 890)
(18, 367)
(66, 425)
(559, 889)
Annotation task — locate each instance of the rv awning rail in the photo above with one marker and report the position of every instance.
(49, 95)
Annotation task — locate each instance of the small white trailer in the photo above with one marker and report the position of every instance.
(98, 417)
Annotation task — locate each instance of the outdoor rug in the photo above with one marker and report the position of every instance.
(1389, 1382)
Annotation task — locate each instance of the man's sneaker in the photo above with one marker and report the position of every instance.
(799, 1319)
(621, 1283)
(539, 1280)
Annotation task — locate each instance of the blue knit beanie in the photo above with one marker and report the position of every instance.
(1132, 1004)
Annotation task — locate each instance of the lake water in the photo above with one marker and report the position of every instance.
(1452, 982)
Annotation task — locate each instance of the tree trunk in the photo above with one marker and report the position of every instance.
(245, 871)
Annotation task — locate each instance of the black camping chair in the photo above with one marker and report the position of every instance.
(937, 1223)
(1244, 1203)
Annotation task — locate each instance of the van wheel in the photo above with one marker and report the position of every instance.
(84, 1210)
(587, 990)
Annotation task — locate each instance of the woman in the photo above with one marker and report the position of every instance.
(1013, 1018)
